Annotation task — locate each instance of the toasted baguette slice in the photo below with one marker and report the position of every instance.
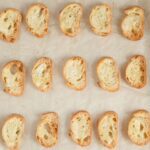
(135, 73)
(47, 130)
(139, 127)
(81, 128)
(101, 19)
(108, 74)
(13, 130)
(10, 21)
(108, 129)
(37, 19)
(13, 77)
(70, 18)
(133, 23)
(42, 74)
(74, 72)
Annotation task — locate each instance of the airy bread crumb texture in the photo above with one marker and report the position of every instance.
(47, 129)
(10, 21)
(108, 129)
(12, 131)
(108, 74)
(101, 19)
(133, 23)
(37, 19)
(74, 72)
(135, 72)
(81, 128)
(139, 127)
(13, 77)
(70, 18)
(42, 74)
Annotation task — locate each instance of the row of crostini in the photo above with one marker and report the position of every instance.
(37, 20)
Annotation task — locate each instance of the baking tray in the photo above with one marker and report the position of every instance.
(60, 98)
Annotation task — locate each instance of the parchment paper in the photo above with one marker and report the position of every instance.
(63, 100)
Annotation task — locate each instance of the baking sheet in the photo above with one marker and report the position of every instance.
(61, 99)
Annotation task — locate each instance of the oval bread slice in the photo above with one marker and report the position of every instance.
(135, 73)
(139, 127)
(133, 23)
(81, 128)
(70, 18)
(74, 72)
(13, 130)
(10, 22)
(42, 74)
(101, 19)
(47, 129)
(108, 74)
(13, 77)
(108, 129)
(37, 19)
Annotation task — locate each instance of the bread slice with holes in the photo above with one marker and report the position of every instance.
(47, 129)
(101, 19)
(133, 23)
(81, 128)
(135, 72)
(74, 72)
(13, 130)
(108, 74)
(107, 126)
(139, 127)
(42, 74)
(10, 22)
(13, 78)
(37, 19)
(70, 18)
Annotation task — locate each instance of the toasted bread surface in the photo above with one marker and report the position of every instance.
(42, 74)
(70, 18)
(101, 19)
(81, 128)
(108, 74)
(139, 127)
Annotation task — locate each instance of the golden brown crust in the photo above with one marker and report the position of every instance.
(70, 133)
(110, 20)
(133, 36)
(56, 128)
(78, 27)
(49, 63)
(20, 70)
(17, 25)
(143, 68)
(109, 113)
(145, 115)
(69, 84)
(114, 63)
(46, 11)
(21, 118)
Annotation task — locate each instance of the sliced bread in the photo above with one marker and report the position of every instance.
(101, 19)
(133, 23)
(13, 130)
(108, 74)
(81, 128)
(37, 19)
(42, 74)
(10, 22)
(139, 127)
(47, 129)
(135, 72)
(108, 129)
(13, 77)
(74, 72)
(70, 18)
